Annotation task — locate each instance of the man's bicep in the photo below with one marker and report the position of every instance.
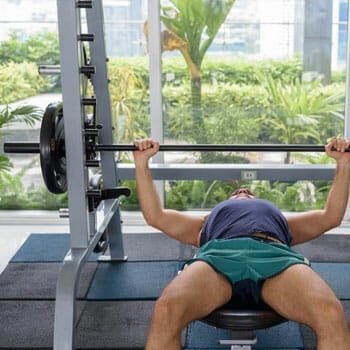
(181, 226)
(306, 226)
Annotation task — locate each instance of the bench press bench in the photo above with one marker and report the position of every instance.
(243, 322)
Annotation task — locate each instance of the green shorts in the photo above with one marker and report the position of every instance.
(247, 263)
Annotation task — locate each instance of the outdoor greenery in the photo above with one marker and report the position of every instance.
(19, 81)
(240, 102)
(19, 61)
(244, 107)
(191, 28)
(42, 48)
(21, 114)
(13, 195)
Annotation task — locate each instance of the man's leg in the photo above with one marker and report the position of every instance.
(300, 294)
(193, 294)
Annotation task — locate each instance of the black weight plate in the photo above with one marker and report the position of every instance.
(60, 154)
(52, 157)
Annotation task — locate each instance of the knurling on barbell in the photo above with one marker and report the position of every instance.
(53, 154)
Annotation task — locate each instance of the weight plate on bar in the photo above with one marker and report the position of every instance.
(52, 154)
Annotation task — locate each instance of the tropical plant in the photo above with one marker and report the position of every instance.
(191, 29)
(8, 116)
(296, 109)
(11, 190)
(128, 84)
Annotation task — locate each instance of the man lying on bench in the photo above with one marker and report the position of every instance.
(245, 256)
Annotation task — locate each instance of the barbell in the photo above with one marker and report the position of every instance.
(53, 154)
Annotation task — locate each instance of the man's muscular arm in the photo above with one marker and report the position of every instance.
(309, 225)
(178, 225)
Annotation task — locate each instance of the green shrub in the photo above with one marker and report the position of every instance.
(237, 71)
(298, 196)
(41, 48)
(13, 196)
(19, 81)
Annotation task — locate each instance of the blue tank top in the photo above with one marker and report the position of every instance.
(241, 218)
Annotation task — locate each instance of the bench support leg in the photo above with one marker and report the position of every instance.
(241, 340)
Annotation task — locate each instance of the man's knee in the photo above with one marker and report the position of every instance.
(168, 311)
(330, 315)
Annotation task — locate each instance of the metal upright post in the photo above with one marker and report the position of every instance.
(69, 29)
(115, 250)
(155, 82)
(86, 227)
(69, 26)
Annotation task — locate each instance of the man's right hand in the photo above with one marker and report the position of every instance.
(336, 149)
(147, 148)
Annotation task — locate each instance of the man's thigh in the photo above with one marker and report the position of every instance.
(198, 290)
(298, 294)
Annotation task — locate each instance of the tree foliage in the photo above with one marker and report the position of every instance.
(191, 28)
(41, 48)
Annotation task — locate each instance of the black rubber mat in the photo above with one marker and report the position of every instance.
(137, 247)
(329, 247)
(38, 280)
(28, 287)
(132, 280)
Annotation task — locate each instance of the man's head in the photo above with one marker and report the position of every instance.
(242, 193)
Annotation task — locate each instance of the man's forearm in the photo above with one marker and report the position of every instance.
(147, 194)
(338, 195)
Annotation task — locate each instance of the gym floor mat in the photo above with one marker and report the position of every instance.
(121, 295)
(337, 275)
(309, 336)
(38, 280)
(114, 325)
(131, 280)
(138, 247)
(26, 324)
(102, 325)
(155, 246)
(330, 247)
(43, 248)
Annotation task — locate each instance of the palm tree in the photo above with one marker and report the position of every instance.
(191, 28)
(22, 114)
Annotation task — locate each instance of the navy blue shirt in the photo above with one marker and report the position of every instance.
(242, 217)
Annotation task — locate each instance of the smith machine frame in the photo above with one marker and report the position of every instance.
(86, 227)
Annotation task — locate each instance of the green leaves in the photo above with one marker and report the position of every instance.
(27, 114)
(196, 22)
(19, 81)
(8, 116)
(192, 26)
(215, 13)
(297, 108)
(41, 48)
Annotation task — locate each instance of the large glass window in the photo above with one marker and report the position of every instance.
(242, 72)
(273, 73)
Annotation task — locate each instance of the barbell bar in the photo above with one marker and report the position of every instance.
(30, 147)
(53, 154)
(219, 148)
